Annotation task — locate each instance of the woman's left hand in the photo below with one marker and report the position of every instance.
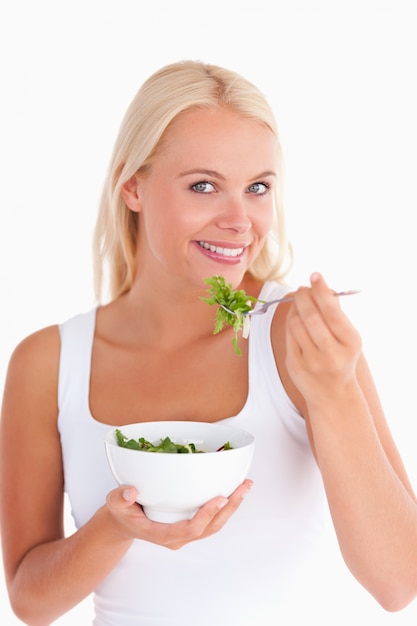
(323, 348)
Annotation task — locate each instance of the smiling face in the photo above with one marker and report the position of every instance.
(205, 203)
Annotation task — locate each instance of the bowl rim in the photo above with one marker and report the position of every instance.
(109, 437)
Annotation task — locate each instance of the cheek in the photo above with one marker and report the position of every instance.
(186, 216)
(165, 224)
(263, 221)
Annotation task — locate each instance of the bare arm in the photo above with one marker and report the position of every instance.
(46, 573)
(372, 504)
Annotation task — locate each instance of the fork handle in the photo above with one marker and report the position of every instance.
(265, 307)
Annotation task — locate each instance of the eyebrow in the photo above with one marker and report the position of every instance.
(215, 174)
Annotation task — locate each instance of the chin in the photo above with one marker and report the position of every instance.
(234, 276)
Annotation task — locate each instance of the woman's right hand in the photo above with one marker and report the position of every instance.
(132, 522)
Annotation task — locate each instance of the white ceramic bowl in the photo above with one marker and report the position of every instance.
(171, 487)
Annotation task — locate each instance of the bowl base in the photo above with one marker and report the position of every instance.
(168, 517)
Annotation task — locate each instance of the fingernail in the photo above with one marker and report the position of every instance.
(314, 277)
(222, 503)
(127, 495)
(248, 488)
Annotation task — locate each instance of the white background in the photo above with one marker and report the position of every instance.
(341, 77)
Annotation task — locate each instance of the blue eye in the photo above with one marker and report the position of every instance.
(258, 188)
(202, 187)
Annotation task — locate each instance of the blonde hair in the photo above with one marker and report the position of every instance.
(164, 95)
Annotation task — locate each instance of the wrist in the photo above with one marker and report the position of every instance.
(112, 528)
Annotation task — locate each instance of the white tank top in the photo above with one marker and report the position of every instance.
(244, 574)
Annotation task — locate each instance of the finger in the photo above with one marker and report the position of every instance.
(327, 299)
(304, 323)
(320, 317)
(122, 501)
(211, 517)
(319, 285)
(121, 498)
(178, 534)
(206, 514)
(336, 320)
(235, 499)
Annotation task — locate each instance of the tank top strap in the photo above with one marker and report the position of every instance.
(77, 335)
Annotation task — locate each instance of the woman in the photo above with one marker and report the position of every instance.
(194, 190)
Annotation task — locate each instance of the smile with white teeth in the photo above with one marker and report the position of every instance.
(220, 250)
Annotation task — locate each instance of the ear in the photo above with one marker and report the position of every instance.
(130, 194)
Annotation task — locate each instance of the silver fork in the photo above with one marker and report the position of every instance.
(263, 309)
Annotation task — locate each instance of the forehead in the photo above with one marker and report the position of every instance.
(224, 131)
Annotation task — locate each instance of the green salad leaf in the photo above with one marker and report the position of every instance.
(236, 300)
(165, 445)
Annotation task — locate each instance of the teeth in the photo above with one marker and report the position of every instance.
(220, 250)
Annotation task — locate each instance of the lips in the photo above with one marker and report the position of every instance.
(221, 250)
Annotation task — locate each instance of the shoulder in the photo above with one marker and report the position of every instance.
(34, 363)
(42, 344)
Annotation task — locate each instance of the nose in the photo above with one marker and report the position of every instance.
(234, 216)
